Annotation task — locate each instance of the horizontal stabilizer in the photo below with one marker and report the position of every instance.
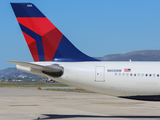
(53, 70)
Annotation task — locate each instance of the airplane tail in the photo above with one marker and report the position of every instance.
(45, 41)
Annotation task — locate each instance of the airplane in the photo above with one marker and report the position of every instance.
(50, 80)
(55, 57)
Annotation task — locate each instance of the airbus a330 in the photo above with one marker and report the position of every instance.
(55, 57)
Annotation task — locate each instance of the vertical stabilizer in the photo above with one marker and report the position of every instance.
(45, 41)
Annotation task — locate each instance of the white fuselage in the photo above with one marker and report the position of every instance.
(143, 78)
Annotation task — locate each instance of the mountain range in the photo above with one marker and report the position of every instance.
(144, 55)
(14, 73)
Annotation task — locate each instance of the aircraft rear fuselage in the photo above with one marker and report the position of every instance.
(113, 78)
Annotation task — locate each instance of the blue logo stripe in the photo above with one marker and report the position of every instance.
(38, 39)
(67, 52)
(26, 10)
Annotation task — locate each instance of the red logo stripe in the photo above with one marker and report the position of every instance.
(32, 46)
(40, 25)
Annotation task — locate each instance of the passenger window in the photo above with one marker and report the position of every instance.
(142, 74)
(119, 74)
(115, 74)
(146, 75)
(138, 74)
(150, 75)
(157, 75)
(134, 74)
(131, 74)
(123, 74)
(127, 74)
(154, 75)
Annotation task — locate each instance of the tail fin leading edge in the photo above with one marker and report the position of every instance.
(45, 41)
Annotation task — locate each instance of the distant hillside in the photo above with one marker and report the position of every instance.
(14, 73)
(144, 55)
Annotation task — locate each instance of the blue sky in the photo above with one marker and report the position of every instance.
(96, 27)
